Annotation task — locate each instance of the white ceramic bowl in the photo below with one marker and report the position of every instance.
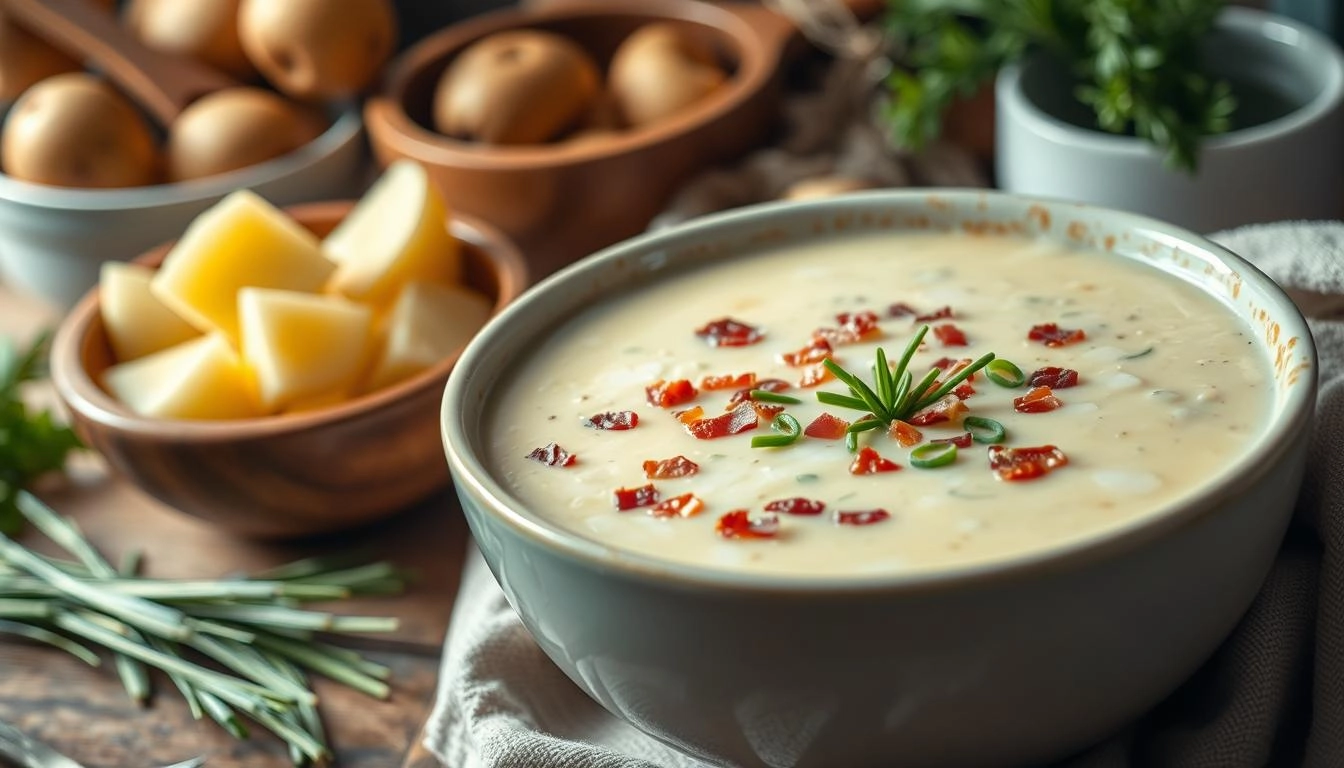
(1288, 167)
(54, 239)
(1006, 663)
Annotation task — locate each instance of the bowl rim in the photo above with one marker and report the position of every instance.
(345, 128)
(1249, 22)
(386, 115)
(82, 395)
(1274, 444)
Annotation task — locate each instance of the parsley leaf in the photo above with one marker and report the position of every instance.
(31, 444)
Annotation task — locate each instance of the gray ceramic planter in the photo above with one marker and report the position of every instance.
(1288, 164)
(1005, 664)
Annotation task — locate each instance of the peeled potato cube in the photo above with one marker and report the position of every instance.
(198, 379)
(241, 241)
(302, 346)
(396, 233)
(429, 322)
(137, 323)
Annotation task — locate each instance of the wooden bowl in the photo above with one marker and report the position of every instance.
(563, 200)
(289, 475)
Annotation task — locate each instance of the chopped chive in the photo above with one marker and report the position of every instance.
(844, 401)
(931, 455)
(955, 381)
(917, 396)
(1137, 355)
(863, 425)
(806, 477)
(882, 379)
(1005, 373)
(789, 431)
(983, 430)
(766, 396)
(856, 386)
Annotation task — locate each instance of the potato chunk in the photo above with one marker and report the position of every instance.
(242, 241)
(137, 323)
(428, 323)
(302, 346)
(198, 379)
(397, 233)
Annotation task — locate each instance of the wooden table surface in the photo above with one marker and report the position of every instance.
(83, 711)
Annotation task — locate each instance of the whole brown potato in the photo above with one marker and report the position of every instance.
(235, 128)
(518, 87)
(206, 30)
(74, 130)
(317, 49)
(660, 69)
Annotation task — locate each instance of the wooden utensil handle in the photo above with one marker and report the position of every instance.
(160, 82)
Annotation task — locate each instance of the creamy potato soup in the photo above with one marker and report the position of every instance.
(1115, 391)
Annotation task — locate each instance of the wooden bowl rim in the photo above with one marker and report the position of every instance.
(84, 396)
(759, 36)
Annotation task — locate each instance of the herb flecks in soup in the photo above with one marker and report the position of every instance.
(880, 404)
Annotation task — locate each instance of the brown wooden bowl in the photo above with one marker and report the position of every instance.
(563, 200)
(289, 475)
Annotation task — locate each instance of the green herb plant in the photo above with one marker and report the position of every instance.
(1136, 63)
(31, 444)
(234, 648)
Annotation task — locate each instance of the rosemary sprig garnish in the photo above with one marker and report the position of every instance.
(236, 646)
(894, 395)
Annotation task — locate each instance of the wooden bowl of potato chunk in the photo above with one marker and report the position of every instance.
(302, 465)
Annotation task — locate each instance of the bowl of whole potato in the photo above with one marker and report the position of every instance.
(569, 125)
(277, 372)
(187, 104)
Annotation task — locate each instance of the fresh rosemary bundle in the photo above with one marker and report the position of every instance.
(1136, 63)
(236, 646)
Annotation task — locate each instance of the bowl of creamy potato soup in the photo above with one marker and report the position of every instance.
(898, 478)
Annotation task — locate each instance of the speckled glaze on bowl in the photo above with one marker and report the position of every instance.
(1005, 663)
(56, 238)
(288, 475)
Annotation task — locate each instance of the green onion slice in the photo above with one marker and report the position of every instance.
(932, 455)
(987, 431)
(1004, 373)
(788, 428)
(766, 396)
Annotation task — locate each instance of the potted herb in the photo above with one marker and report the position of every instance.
(1182, 109)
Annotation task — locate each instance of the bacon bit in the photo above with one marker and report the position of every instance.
(963, 391)
(961, 441)
(712, 383)
(815, 375)
(690, 414)
(900, 309)
(904, 434)
(738, 525)
(1051, 335)
(767, 411)
(951, 366)
(738, 420)
(677, 466)
(1055, 378)
(950, 335)
(1038, 400)
(1025, 463)
(943, 363)
(854, 327)
(796, 506)
(685, 505)
(868, 462)
(631, 498)
(865, 517)
(826, 427)
(553, 456)
(744, 395)
(666, 394)
(938, 314)
(727, 332)
(817, 350)
(616, 421)
(946, 409)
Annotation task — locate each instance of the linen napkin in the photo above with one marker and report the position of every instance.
(1272, 695)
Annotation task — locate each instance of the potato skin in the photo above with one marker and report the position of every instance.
(235, 128)
(318, 49)
(205, 30)
(74, 130)
(516, 87)
(659, 70)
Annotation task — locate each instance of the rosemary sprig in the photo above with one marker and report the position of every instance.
(893, 396)
(31, 443)
(234, 647)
